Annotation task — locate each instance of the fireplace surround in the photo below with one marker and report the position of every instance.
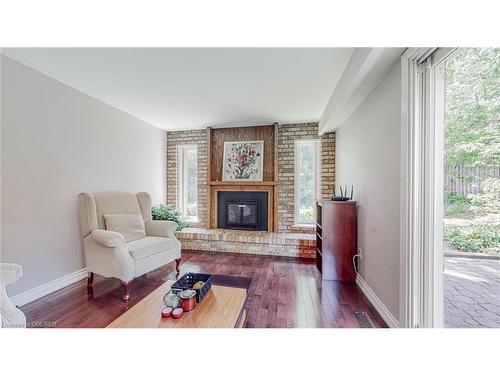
(243, 217)
(247, 210)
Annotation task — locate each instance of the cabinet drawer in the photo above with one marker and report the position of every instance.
(319, 261)
(319, 243)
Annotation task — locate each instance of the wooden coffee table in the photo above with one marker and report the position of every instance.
(222, 307)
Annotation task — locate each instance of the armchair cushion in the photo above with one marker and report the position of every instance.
(161, 228)
(130, 226)
(150, 245)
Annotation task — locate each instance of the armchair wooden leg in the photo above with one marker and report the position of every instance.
(177, 264)
(126, 288)
(90, 282)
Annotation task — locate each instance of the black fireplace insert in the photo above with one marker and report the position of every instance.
(242, 210)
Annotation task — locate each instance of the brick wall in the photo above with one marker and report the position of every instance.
(189, 137)
(287, 134)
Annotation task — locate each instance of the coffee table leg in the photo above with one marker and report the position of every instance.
(177, 263)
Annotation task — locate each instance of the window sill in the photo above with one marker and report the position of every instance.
(306, 226)
(302, 228)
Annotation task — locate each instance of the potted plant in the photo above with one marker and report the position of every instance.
(166, 212)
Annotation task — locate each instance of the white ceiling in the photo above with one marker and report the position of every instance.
(366, 68)
(190, 88)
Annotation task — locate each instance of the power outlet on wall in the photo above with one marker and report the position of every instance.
(357, 259)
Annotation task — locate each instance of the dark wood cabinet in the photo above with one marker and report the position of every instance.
(336, 239)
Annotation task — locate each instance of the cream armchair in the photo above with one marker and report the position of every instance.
(108, 253)
(10, 315)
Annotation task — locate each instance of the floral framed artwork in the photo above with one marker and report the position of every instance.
(243, 161)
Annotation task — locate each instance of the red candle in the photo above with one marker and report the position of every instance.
(188, 299)
(177, 313)
(166, 312)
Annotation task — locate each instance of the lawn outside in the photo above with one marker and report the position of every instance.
(477, 235)
(472, 223)
(472, 151)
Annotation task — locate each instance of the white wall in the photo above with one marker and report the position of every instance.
(368, 156)
(57, 142)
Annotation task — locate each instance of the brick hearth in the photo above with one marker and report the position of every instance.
(299, 245)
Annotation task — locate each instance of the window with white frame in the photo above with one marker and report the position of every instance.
(188, 181)
(306, 180)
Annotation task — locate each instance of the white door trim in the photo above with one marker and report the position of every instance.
(409, 283)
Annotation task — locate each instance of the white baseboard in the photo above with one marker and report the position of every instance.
(384, 312)
(47, 288)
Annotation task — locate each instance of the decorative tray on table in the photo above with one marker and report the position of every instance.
(189, 281)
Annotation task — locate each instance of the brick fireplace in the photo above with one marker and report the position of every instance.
(280, 181)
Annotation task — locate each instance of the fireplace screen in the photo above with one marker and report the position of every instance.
(242, 210)
(242, 214)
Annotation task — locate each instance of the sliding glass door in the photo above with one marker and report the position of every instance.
(450, 262)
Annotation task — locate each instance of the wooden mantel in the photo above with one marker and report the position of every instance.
(242, 183)
(215, 140)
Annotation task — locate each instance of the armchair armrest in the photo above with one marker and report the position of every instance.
(10, 273)
(161, 228)
(106, 254)
(108, 238)
(10, 315)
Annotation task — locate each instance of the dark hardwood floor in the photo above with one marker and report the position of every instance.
(283, 293)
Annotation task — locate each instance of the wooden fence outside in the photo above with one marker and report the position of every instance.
(467, 180)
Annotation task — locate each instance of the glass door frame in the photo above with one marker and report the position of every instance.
(421, 238)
